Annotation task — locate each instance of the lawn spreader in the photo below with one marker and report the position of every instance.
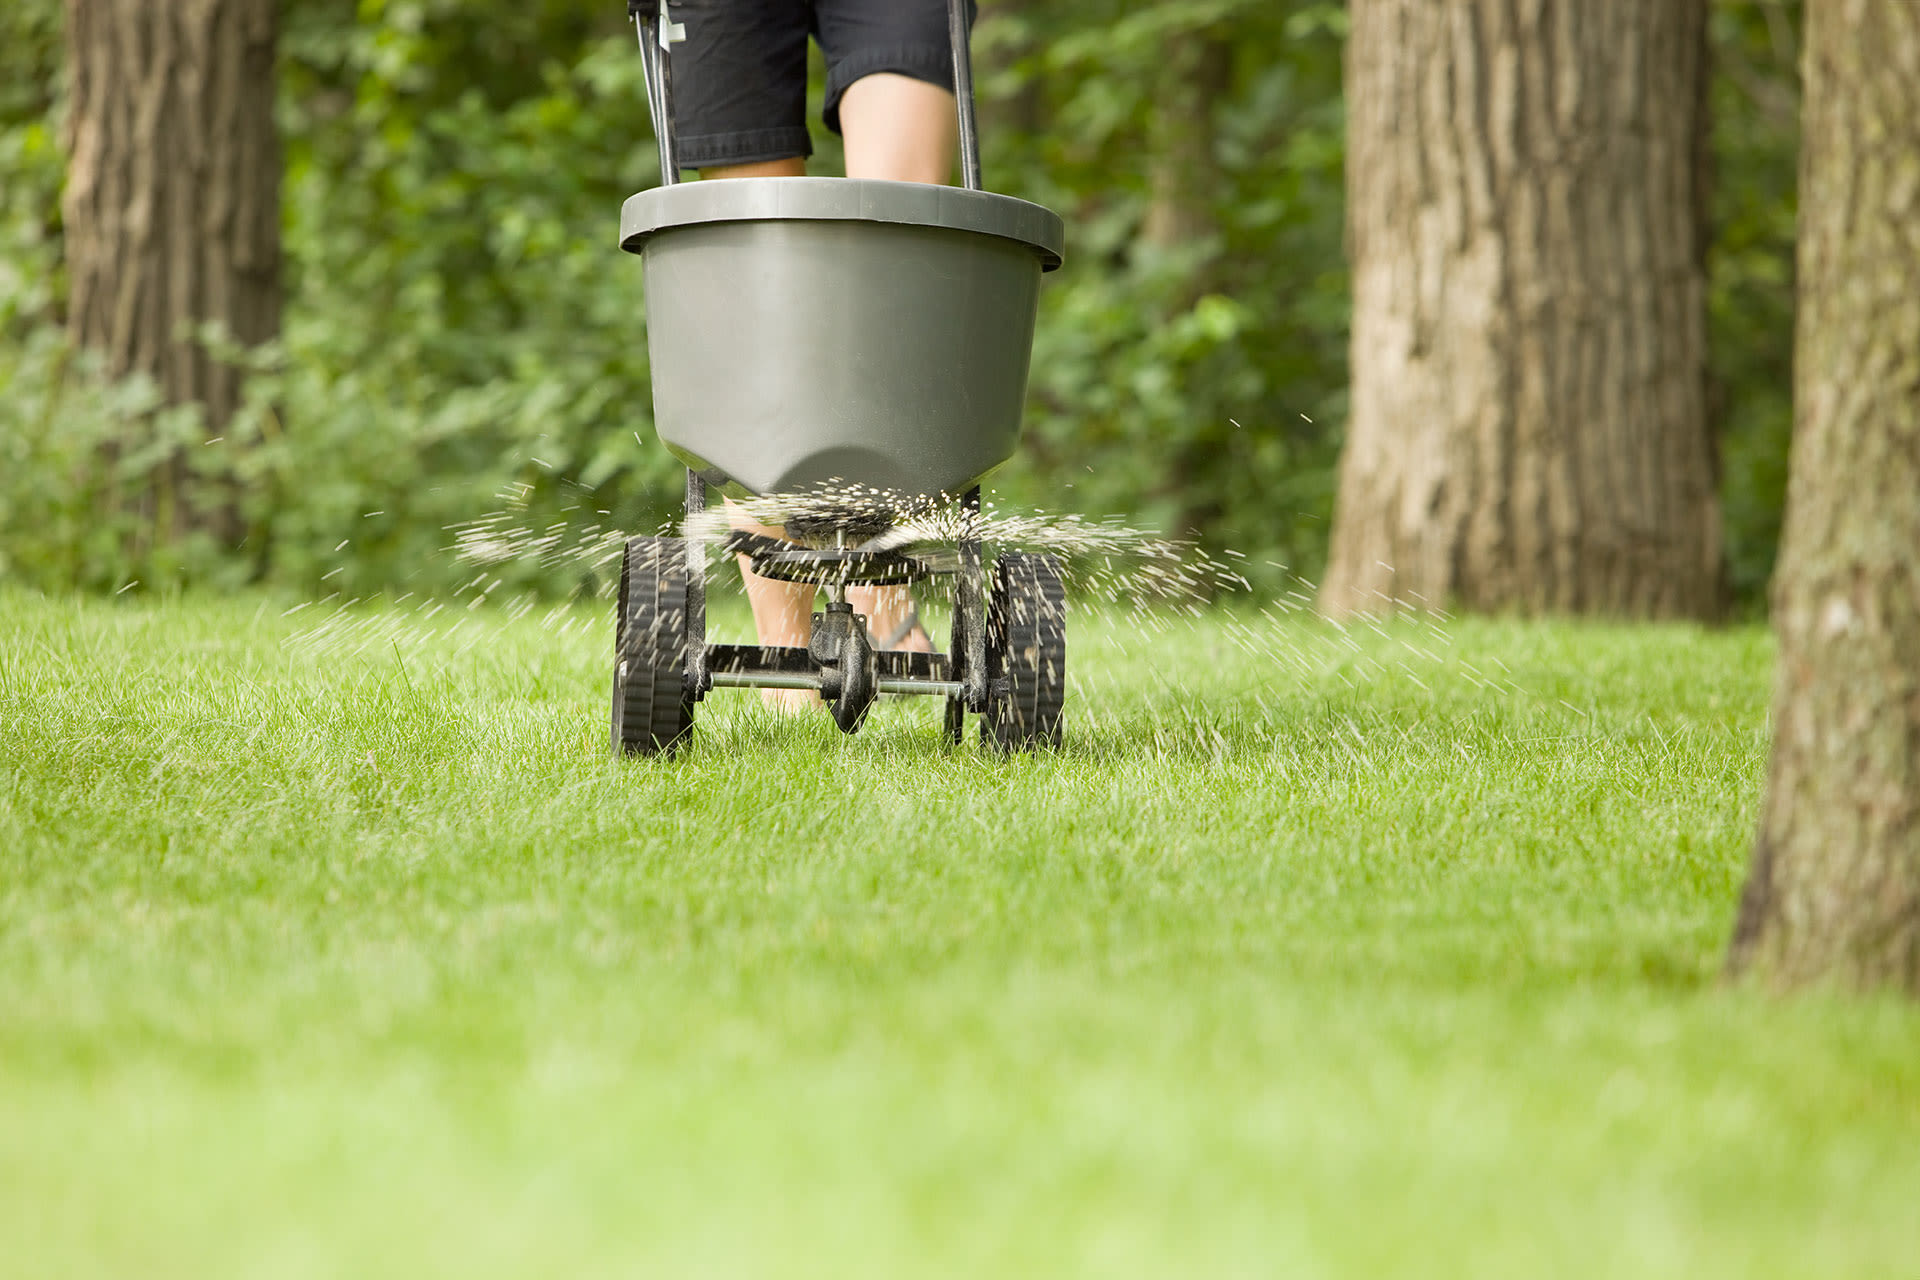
(837, 337)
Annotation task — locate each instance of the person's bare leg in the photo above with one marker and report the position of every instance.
(782, 612)
(793, 167)
(899, 128)
(904, 130)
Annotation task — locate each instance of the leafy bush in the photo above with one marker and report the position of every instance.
(460, 323)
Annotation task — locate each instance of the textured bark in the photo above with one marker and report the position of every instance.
(1527, 221)
(172, 204)
(1183, 175)
(1183, 187)
(1834, 891)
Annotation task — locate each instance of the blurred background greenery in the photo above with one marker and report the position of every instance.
(460, 325)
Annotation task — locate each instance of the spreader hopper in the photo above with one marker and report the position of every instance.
(803, 331)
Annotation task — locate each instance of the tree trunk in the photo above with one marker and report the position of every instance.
(1183, 187)
(1834, 892)
(1527, 221)
(172, 204)
(1183, 172)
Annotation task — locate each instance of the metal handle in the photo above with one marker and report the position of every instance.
(655, 60)
(963, 93)
(655, 68)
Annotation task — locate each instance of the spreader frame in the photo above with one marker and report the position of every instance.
(959, 675)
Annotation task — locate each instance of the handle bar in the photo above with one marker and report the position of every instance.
(655, 63)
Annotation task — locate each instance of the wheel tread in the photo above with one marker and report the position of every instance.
(1027, 651)
(651, 711)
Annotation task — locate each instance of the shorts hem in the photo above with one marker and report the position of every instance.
(932, 63)
(748, 146)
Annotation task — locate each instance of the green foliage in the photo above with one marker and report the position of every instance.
(31, 163)
(462, 320)
(460, 324)
(66, 459)
(1196, 386)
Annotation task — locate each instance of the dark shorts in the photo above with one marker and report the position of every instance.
(740, 76)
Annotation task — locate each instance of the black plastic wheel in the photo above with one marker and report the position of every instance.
(651, 710)
(953, 725)
(1026, 652)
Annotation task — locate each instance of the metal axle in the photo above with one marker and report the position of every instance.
(781, 680)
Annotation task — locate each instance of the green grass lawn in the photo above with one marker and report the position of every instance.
(1389, 953)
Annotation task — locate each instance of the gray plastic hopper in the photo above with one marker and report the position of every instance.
(803, 331)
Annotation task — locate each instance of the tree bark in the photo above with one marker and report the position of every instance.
(172, 205)
(1183, 171)
(1834, 890)
(1183, 189)
(1527, 222)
